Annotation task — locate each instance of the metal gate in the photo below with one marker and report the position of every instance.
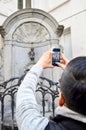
(7, 99)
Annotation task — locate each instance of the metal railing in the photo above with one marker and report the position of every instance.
(9, 89)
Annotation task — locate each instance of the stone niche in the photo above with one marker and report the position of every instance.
(26, 35)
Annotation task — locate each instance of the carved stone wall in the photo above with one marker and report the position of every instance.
(1, 65)
(27, 30)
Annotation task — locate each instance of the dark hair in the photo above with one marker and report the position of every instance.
(73, 84)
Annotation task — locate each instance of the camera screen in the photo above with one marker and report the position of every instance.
(56, 56)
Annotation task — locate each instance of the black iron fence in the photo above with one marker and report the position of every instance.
(8, 90)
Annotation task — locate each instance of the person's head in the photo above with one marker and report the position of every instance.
(73, 85)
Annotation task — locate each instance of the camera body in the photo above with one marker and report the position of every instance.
(56, 56)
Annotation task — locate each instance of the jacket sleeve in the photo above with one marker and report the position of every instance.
(27, 112)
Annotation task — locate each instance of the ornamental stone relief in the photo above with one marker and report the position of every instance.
(29, 33)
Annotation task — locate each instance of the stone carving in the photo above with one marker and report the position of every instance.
(31, 54)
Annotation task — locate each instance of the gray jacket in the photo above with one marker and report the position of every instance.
(27, 110)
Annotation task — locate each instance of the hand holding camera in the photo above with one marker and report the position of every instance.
(53, 58)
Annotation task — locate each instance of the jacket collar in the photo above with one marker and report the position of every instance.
(64, 111)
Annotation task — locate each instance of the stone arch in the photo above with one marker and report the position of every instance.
(17, 38)
(24, 14)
